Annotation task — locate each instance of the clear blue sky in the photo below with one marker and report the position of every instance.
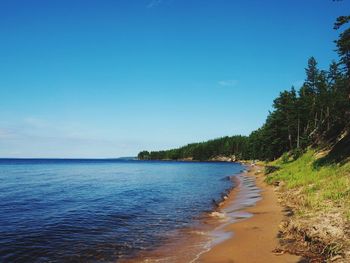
(83, 78)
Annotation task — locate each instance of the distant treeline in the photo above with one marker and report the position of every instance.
(235, 145)
(316, 113)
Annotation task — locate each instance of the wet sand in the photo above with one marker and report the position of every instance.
(243, 229)
(255, 238)
(188, 244)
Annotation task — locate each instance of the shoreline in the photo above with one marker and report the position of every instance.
(188, 244)
(253, 239)
(244, 227)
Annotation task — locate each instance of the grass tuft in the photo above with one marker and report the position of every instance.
(320, 185)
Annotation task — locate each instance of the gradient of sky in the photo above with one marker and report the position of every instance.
(84, 78)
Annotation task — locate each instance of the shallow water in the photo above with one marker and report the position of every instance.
(101, 210)
(188, 244)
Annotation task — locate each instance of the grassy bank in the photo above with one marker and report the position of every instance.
(320, 186)
(316, 193)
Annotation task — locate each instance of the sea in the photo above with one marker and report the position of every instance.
(103, 210)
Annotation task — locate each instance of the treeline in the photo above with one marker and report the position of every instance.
(226, 146)
(315, 113)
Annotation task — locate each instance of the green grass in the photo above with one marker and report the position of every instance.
(320, 186)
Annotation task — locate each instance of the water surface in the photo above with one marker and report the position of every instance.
(100, 210)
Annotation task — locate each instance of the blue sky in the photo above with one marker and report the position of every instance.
(83, 78)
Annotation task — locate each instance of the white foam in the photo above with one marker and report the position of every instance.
(218, 215)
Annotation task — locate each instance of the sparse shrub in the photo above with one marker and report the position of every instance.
(296, 153)
(285, 157)
(270, 169)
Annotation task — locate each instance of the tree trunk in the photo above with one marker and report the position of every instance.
(315, 124)
(328, 117)
(298, 139)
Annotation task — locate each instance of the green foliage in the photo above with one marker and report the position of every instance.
(296, 153)
(144, 155)
(270, 169)
(343, 42)
(319, 186)
(285, 157)
(226, 146)
(317, 113)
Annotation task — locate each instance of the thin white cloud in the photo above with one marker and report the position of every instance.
(37, 137)
(5, 134)
(154, 3)
(228, 83)
(35, 122)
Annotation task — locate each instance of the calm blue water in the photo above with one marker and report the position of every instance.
(99, 210)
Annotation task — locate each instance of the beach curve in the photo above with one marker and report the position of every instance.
(255, 238)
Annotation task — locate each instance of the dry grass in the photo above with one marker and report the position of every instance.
(319, 196)
(319, 187)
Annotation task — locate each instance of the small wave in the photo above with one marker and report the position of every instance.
(200, 233)
(218, 215)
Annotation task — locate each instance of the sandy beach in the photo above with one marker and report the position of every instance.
(254, 239)
(243, 229)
